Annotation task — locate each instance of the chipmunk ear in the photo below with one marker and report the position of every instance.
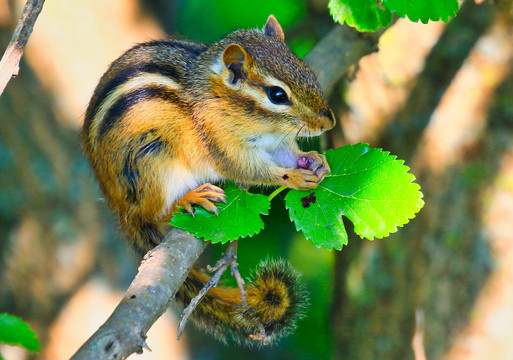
(273, 28)
(237, 60)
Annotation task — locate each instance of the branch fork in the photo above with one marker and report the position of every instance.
(229, 258)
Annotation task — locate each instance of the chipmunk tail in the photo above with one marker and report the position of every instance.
(276, 300)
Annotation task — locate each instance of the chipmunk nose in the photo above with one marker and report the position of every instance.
(327, 113)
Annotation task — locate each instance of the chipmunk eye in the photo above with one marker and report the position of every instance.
(277, 95)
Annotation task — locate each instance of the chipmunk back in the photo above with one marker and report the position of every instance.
(169, 118)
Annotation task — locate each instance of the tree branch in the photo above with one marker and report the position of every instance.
(160, 275)
(340, 49)
(165, 268)
(10, 63)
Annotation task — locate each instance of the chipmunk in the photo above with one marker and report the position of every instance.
(169, 118)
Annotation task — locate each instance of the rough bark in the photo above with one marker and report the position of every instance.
(337, 51)
(160, 275)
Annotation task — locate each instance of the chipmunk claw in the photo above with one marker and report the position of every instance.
(188, 207)
(206, 196)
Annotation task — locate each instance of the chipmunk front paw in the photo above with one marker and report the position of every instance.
(315, 162)
(300, 179)
(206, 196)
(312, 168)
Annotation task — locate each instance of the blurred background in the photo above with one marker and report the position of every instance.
(439, 96)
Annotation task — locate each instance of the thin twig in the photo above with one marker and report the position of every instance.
(260, 336)
(236, 274)
(10, 63)
(228, 259)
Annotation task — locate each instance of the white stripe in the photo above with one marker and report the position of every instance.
(271, 81)
(263, 99)
(140, 81)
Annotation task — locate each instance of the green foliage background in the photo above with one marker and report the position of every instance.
(14, 331)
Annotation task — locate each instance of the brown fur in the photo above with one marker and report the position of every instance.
(170, 116)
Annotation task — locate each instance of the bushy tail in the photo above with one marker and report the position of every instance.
(275, 301)
(275, 298)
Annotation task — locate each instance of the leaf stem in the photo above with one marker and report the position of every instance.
(276, 192)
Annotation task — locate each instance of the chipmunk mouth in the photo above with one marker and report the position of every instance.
(306, 132)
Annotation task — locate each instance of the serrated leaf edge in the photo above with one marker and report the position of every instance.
(419, 204)
(391, 158)
(359, 27)
(423, 20)
(401, 221)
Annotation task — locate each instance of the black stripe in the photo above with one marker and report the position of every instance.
(153, 147)
(131, 174)
(160, 51)
(155, 67)
(146, 144)
(127, 101)
(101, 93)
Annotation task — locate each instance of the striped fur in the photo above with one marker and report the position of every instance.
(142, 87)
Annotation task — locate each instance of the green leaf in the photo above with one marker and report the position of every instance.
(368, 186)
(14, 331)
(424, 10)
(364, 15)
(238, 218)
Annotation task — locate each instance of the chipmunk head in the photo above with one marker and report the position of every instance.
(270, 83)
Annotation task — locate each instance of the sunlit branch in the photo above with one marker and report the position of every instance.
(10, 63)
